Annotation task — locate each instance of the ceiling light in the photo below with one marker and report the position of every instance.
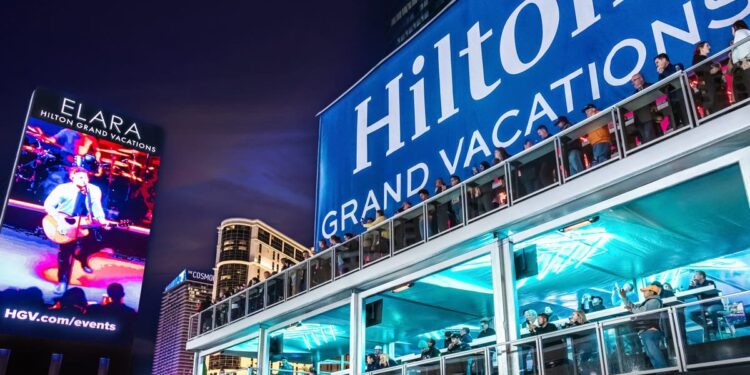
(580, 224)
(402, 288)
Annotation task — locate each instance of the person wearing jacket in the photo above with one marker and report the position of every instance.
(599, 138)
(648, 327)
(430, 351)
(740, 61)
(457, 345)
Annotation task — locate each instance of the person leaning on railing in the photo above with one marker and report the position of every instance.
(599, 138)
(740, 61)
(712, 93)
(648, 327)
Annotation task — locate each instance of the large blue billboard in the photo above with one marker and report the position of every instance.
(483, 75)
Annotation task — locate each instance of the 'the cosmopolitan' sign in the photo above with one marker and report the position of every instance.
(483, 75)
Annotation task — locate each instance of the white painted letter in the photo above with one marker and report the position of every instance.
(546, 110)
(477, 85)
(67, 104)
(445, 77)
(565, 83)
(332, 224)
(639, 48)
(426, 174)
(692, 36)
(348, 215)
(420, 114)
(392, 120)
(476, 145)
(496, 130)
(389, 192)
(550, 15)
(451, 167)
(585, 15)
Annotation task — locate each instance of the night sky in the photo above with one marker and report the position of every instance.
(235, 85)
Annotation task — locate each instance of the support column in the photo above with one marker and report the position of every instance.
(197, 364)
(498, 260)
(264, 364)
(510, 295)
(356, 333)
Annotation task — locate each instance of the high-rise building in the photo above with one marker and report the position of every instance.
(182, 298)
(247, 249)
(408, 16)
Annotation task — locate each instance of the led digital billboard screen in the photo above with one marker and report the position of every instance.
(484, 75)
(76, 221)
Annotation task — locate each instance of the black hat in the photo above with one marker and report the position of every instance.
(561, 119)
(587, 107)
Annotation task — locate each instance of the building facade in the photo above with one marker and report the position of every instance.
(606, 233)
(182, 297)
(408, 16)
(248, 251)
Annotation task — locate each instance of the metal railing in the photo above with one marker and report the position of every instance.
(665, 109)
(614, 346)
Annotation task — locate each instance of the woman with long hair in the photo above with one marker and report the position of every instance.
(711, 83)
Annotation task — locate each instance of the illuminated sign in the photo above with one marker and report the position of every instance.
(191, 275)
(482, 76)
(76, 221)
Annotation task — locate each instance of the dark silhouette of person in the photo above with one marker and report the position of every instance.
(73, 302)
(115, 311)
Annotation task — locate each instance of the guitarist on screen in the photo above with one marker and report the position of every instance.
(69, 204)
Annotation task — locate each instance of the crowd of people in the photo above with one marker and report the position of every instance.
(453, 342)
(651, 330)
(74, 303)
(596, 146)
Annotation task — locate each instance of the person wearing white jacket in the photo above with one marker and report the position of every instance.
(741, 60)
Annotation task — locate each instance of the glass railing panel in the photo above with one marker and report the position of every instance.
(296, 279)
(347, 257)
(321, 268)
(207, 320)
(222, 314)
(534, 170)
(486, 193)
(719, 82)
(395, 370)
(708, 84)
(653, 114)
(495, 358)
(471, 363)
(426, 367)
(193, 325)
(641, 342)
(740, 75)
(408, 229)
(274, 290)
(376, 243)
(519, 358)
(445, 212)
(576, 352)
(237, 306)
(255, 297)
(587, 145)
(715, 330)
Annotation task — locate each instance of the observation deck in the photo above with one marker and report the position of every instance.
(677, 201)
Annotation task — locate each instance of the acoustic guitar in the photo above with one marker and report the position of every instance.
(78, 227)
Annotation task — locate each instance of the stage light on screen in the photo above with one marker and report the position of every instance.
(76, 222)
